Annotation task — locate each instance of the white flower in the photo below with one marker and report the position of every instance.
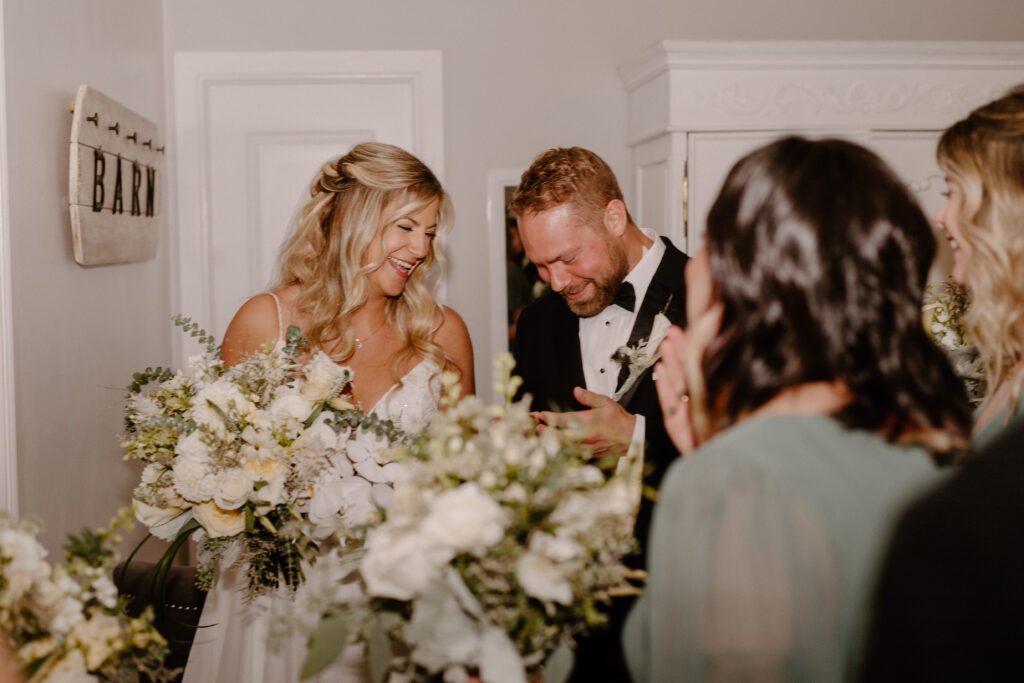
(145, 407)
(105, 590)
(68, 614)
(541, 579)
(289, 406)
(233, 488)
(556, 548)
(332, 496)
(26, 554)
(151, 515)
(70, 669)
(226, 399)
(465, 518)
(99, 636)
(193, 447)
(274, 473)
(324, 378)
(151, 473)
(642, 356)
(219, 523)
(193, 478)
(400, 563)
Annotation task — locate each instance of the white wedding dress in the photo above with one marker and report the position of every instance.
(231, 643)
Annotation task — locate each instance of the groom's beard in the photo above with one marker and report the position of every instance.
(604, 287)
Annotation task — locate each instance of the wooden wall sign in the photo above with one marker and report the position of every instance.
(116, 172)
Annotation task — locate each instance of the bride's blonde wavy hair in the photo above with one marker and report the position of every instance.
(324, 255)
(984, 154)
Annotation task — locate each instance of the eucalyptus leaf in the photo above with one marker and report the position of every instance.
(378, 650)
(326, 644)
(559, 664)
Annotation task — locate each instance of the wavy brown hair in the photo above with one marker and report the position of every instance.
(373, 185)
(984, 154)
(819, 258)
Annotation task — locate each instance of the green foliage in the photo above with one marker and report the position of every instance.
(194, 330)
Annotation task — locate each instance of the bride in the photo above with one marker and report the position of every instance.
(356, 277)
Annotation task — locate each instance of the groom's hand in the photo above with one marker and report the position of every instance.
(609, 426)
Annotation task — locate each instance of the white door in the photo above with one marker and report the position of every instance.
(253, 129)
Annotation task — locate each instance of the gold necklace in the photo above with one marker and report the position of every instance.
(359, 342)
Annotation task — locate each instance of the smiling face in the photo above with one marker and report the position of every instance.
(403, 245)
(577, 256)
(948, 218)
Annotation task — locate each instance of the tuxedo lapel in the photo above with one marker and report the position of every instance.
(668, 280)
(666, 293)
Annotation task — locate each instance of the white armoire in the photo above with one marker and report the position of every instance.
(695, 107)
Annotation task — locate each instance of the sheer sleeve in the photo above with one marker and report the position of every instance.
(743, 582)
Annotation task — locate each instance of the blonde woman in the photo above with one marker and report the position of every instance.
(983, 216)
(356, 276)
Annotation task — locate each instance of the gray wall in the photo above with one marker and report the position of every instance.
(78, 332)
(520, 77)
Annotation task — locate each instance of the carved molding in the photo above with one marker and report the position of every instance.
(740, 100)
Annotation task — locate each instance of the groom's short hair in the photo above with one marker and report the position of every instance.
(566, 175)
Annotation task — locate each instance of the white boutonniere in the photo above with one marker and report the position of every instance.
(643, 355)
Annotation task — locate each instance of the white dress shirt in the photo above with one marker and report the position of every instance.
(602, 334)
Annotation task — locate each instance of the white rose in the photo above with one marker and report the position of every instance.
(151, 515)
(233, 489)
(219, 523)
(324, 378)
(541, 579)
(399, 564)
(465, 518)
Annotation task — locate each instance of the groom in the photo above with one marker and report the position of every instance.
(608, 279)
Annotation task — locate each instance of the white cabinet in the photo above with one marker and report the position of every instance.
(695, 107)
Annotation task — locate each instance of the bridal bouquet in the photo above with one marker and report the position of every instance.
(503, 546)
(944, 307)
(65, 622)
(238, 455)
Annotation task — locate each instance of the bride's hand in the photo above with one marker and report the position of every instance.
(673, 392)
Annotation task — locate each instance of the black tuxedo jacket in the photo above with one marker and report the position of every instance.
(547, 353)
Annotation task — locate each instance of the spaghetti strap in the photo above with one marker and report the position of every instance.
(280, 321)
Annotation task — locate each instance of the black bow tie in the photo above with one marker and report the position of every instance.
(625, 297)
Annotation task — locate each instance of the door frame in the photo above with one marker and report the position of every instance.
(8, 442)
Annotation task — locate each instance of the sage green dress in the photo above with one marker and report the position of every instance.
(764, 548)
(996, 424)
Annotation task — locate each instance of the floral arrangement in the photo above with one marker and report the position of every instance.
(944, 308)
(66, 622)
(503, 546)
(238, 455)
